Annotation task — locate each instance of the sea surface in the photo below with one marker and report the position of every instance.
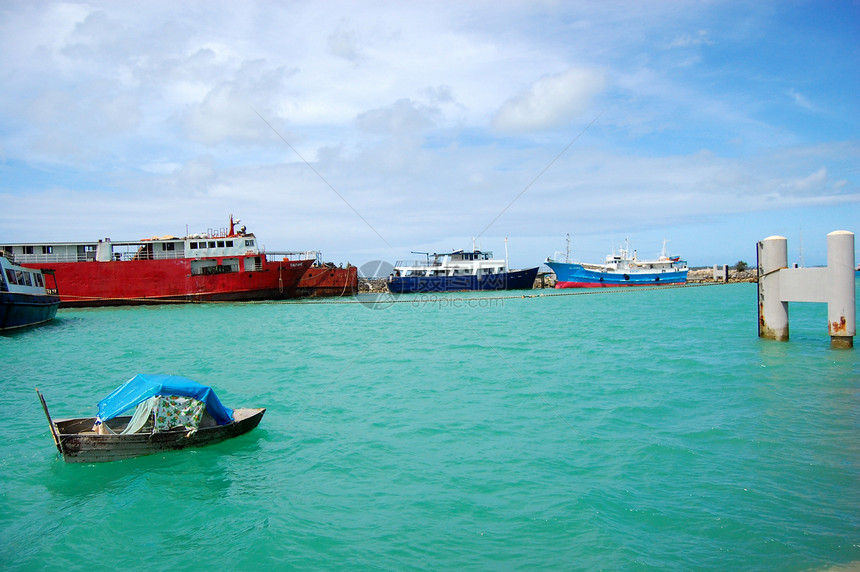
(601, 430)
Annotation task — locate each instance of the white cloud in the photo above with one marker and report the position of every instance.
(404, 117)
(407, 111)
(550, 102)
(344, 44)
(700, 38)
(801, 100)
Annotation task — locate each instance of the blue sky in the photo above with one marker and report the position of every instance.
(371, 129)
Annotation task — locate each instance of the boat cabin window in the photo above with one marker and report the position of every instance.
(166, 246)
(220, 244)
(229, 244)
(28, 250)
(192, 245)
(211, 244)
(249, 243)
(10, 275)
(47, 250)
(37, 278)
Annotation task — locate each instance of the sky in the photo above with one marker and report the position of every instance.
(369, 130)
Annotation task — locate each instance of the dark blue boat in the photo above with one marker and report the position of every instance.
(458, 271)
(27, 296)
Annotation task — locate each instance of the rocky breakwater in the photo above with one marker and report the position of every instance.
(373, 285)
(699, 275)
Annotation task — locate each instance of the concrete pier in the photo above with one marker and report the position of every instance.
(772, 256)
(842, 304)
(833, 285)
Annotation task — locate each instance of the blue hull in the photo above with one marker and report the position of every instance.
(22, 310)
(516, 280)
(572, 275)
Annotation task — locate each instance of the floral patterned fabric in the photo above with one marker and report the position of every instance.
(172, 411)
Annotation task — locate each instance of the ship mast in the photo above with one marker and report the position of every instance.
(567, 252)
(801, 248)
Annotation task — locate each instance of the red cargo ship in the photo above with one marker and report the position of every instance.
(219, 265)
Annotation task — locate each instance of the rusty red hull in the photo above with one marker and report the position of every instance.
(321, 281)
(134, 282)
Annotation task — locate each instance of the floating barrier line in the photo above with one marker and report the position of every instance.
(389, 299)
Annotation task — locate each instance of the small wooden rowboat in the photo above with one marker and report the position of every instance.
(94, 440)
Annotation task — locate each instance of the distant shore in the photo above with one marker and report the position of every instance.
(547, 280)
(695, 276)
(707, 275)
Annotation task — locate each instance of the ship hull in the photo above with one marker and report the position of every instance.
(135, 282)
(321, 281)
(515, 280)
(22, 310)
(572, 275)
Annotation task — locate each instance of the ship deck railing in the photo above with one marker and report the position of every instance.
(47, 258)
(293, 255)
(91, 256)
(146, 254)
(417, 264)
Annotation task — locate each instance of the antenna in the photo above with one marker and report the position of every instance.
(567, 252)
(801, 248)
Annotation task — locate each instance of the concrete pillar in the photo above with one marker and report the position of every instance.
(772, 254)
(841, 319)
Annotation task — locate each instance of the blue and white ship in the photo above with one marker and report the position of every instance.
(26, 298)
(620, 269)
(458, 271)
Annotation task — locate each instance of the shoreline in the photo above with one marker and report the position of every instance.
(547, 279)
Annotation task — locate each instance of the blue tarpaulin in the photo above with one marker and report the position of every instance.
(143, 386)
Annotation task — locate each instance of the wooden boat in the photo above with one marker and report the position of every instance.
(101, 439)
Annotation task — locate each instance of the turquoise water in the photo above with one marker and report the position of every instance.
(634, 430)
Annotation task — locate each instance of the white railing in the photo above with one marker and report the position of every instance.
(291, 254)
(91, 255)
(417, 263)
(47, 258)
